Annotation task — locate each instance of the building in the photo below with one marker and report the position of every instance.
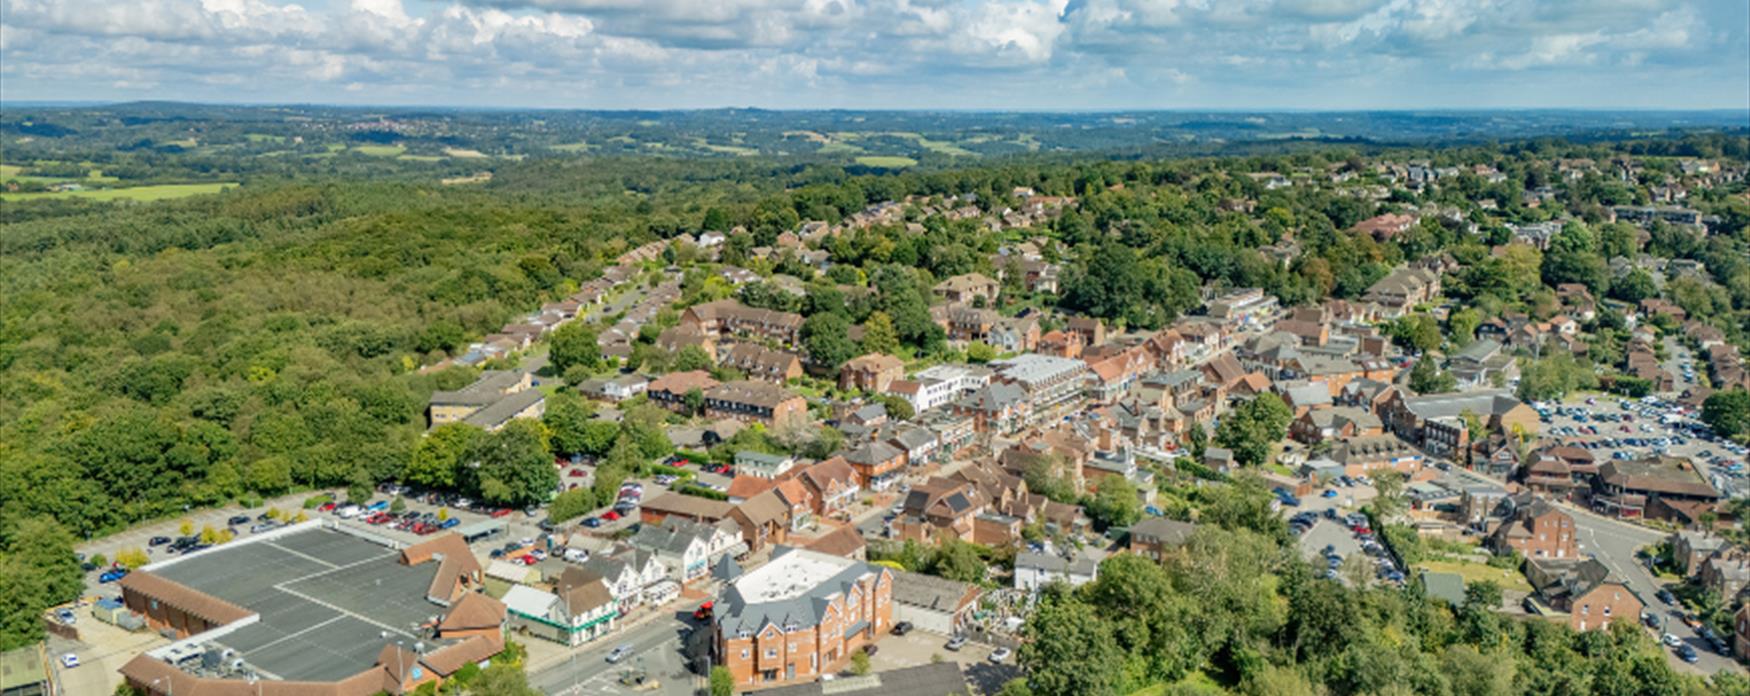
(619, 388)
(1034, 569)
(1741, 633)
(1363, 455)
(761, 363)
(580, 609)
(1243, 308)
(1690, 549)
(1339, 423)
(762, 465)
(878, 464)
(1537, 530)
(732, 318)
(391, 620)
(966, 288)
(25, 671)
(668, 506)
(1403, 289)
(686, 549)
(755, 402)
(492, 388)
(933, 604)
(1438, 422)
(1483, 362)
(1629, 488)
(1155, 536)
(833, 486)
(934, 679)
(1583, 589)
(1049, 385)
(872, 373)
(800, 616)
(670, 390)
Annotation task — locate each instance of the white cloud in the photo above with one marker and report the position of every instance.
(873, 53)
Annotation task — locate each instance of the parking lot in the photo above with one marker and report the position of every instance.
(1330, 531)
(1613, 428)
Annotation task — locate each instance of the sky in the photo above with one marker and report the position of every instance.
(886, 54)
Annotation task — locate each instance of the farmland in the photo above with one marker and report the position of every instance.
(137, 193)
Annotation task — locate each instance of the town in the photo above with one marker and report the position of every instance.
(795, 456)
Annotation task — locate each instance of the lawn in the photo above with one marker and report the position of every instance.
(420, 158)
(264, 138)
(1477, 572)
(10, 171)
(137, 193)
(578, 146)
(886, 161)
(462, 153)
(380, 150)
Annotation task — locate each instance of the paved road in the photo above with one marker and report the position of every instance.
(655, 649)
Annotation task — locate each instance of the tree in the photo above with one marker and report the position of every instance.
(1197, 441)
(859, 663)
(722, 681)
(690, 358)
(571, 504)
(897, 407)
(1070, 651)
(514, 465)
(958, 560)
(1390, 487)
(1462, 325)
(695, 401)
(1634, 287)
(1419, 332)
(567, 418)
(879, 335)
(1727, 412)
(1116, 503)
(438, 457)
(503, 678)
(1427, 378)
(979, 352)
(1554, 376)
(1254, 428)
(827, 339)
(573, 344)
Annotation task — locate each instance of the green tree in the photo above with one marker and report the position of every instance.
(859, 663)
(573, 344)
(567, 417)
(722, 681)
(1428, 378)
(1253, 429)
(879, 335)
(1463, 325)
(1727, 412)
(897, 407)
(1070, 651)
(1418, 332)
(515, 466)
(827, 339)
(438, 457)
(1389, 485)
(1115, 504)
(690, 358)
(958, 560)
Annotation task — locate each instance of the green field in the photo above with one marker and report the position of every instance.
(137, 193)
(579, 146)
(886, 161)
(10, 171)
(264, 138)
(380, 150)
(1478, 572)
(461, 153)
(421, 158)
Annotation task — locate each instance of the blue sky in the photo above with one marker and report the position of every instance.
(962, 54)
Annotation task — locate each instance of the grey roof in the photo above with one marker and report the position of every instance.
(928, 591)
(912, 438)
(504, 409)
(1033, 368)
(1163, 530)
(485, 390)
(935, 679)
(872, 453)
(673, 536)
(1309, 393)
(805, 609)
(1447, 586)
(1484, 403)
(1478, 350)
(994, 397)
(726, 569)
(1082, 564)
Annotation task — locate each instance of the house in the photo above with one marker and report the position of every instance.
(833, 484)
(687, 507)
(1584, 589)
(1363, 455)
(1438, 424)
(937, 605)
(872, 373)
(1049, 385)
(1243, 308)
(762, 363)
(619, 388)
(940, 508)
(1387, 226)
(998, 408)
(764, 519)
(729, 317)
(762, 465)
(755, 402)
(1091, 330)
(878, 464)
(966, 287)
(1741, 633)
(1034, 569)
(685, 548)
(1690, 549)
(919, 444)
(1154, 537)
(800, 616)
(670, 390)
(579, 610)
(1403, 289)
(1485, 361)
(1537, 530)
(1337, 423)
(843, 541)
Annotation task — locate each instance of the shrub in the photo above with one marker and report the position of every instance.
(317, 501)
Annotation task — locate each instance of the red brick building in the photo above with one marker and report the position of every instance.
(801, 616)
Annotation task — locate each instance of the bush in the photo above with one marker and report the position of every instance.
(859, 663)
(699, 491)
(317, 501)
(97, 559)
(571, 505)
(132, 558)
(722, 681)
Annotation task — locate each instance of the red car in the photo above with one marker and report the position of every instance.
(327, 507)
(528, 559)
(611, 516)
(576, 473)
(378, 518)
(501, 512)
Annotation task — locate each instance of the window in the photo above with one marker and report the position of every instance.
(771, 652)
(1585, 610)
(744, 653)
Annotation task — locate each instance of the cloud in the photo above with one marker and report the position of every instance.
(885, 53)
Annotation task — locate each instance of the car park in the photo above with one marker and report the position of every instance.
(956, 643)
(237, 520)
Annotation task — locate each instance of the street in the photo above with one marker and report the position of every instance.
(655, 649)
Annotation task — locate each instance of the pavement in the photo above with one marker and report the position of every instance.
(655, 645)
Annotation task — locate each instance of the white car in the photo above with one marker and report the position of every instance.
(1671, 640)
(999, 654)
(620, 653)
(348, 512)
(69, 660)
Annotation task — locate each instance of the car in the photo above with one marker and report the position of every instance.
(1651, 620)
(528, 559)
(237, 520)
(378, 506)
(610, 516)
(576, 473)
(348, 512)
(69, 660)
(328, 506)
(592, 522)
(956, 643)
(1671, 640)
(1688, 653)
(1329, 493)
(620, 653)
(1665, 596)
(902, 628)
(66, 616)
(158, 541)
(870, 649)
(451, 522)
(112, 575)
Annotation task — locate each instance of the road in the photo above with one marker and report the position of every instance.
(655, 649)
(1614, 543)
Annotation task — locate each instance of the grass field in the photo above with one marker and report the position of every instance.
(380, 150)
(837, 148)
(10, 171)
(886, 161)
(579, 146)
(421, 158)
(137, 193)
(1478, 572)
(264, 138)
(461, 153)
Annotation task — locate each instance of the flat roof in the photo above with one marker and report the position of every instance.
(325, 600)
(791, 575)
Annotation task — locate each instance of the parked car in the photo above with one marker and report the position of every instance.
(112, 575)
(1000, 654)
(65, 615)
(158, 541)
(610, 516)
(956, 643)
(592, 522)
(237, 520)
(69, 660)
(1688, 653)
(902, 628)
